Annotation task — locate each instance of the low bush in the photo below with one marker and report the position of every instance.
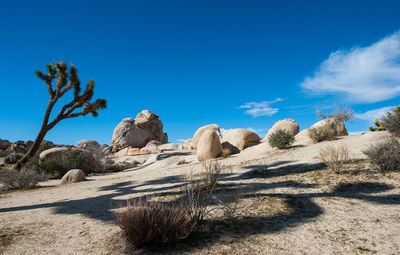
(182, 162)
(385, 156)
(322, 133)
(281, 139)
(12, 158)
(108, 165)
(147, 222)
(67, 160)
(335, 157)
(5, 153)
(392, 121)
(22, 179)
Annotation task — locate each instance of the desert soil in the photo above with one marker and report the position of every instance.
(290, 204)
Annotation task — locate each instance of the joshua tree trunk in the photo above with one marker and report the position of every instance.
(59, 71)
(39, 138)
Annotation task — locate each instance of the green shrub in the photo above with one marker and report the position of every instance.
(385, 156)
(12, 158)
(322, 133)
(281, 139)
(392, 121)
(5, 153)
(108, 165)
(20, 179)
(64, 161)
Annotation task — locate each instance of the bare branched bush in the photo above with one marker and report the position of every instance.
(335, 157)
(199, 189)
(322, 133)
(230, 206)
(385, 156)
(147, 222)
(21, 179)
(339, 113)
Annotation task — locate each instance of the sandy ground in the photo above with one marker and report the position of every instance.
(293, 205)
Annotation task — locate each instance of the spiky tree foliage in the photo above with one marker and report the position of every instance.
(379, 126)
(80, 105)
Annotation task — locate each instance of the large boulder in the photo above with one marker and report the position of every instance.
(89, 145)
(337, 125)
(200, 131)
(74, 175)
(241, 138)
(58, 161)
(137, 133)
(209, 145)
(288, 125)
(171, 147)
(131, 152)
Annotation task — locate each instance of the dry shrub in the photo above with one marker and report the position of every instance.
(322, 133)
(199, 189)
(21, 179)
(335, 157)
(281, 139)
(147, 222)
(385, 156)
(182, 162)
(339, 113)
(226, 152)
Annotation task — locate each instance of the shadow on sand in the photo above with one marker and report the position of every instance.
(301, 207)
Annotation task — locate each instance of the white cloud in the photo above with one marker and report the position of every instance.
(372, 115)
(259, 131)
(257, 109)
(362, 74)
(181, 140)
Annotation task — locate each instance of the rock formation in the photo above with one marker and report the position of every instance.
(89, 145)
(209, 145)
(74, 175)
(201, 130)
(288, 125)
(241, 138)
(137, 133)
(337, 125)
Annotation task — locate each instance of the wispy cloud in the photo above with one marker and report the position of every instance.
(362, 74)
(257, 109)
(372, 115)
(181, 140)
(259, 131)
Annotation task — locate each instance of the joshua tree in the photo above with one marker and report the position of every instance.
(64, 82)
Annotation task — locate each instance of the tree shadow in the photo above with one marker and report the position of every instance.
(301, 207)
(271, 170)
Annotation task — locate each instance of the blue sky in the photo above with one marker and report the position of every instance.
(240, 63)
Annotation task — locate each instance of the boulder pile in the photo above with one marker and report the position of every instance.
(137, 133)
